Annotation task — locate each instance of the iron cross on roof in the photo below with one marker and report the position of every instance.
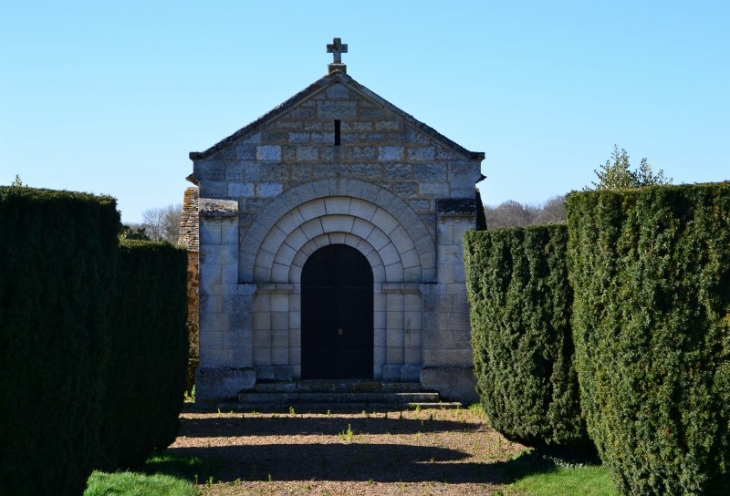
(336, 48)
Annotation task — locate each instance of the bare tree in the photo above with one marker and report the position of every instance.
(515, 214)
(163, 224)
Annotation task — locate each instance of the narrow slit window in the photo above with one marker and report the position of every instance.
(337, 132)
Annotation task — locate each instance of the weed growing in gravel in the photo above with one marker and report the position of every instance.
(347, 435)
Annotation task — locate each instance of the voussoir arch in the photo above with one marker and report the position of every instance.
(330, 205)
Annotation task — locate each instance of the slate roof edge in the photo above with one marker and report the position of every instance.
(319, 85)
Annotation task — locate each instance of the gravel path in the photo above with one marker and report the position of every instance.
(428, 452)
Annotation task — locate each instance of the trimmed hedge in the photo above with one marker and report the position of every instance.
(520, 300)
(149, 354)
(651, 273)
(58, 252)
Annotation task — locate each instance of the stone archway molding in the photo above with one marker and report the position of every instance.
(346, 207)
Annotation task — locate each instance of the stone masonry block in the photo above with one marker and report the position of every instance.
(280, 338)
(215, 384)
(299, 137)
(400, 238)
(389, 254)
(236, 189)
(413, 356)
(390, 153)
(387, 125)
(362, 209)
(422, 153)
(262, 356)
(380, 320)
(394, 355)
(280, 356)
(438, 190)
(307, 153)
(367, 171)
(405, 188)
(301, 172)
(337, 223)
(261, 322)
(398, 171)
(279, 303)
(280, 273)
(312, 209)
(378, 239)
(210, 233)
(429, 172)
(362, 228)
(268, 152)
(296, 240)
(384, 220)
(312, 228)
(274, 172)
(286, 254)
(290, 221)
(336, 109)
(337, 205)
(338, 92)
(269, 189)
(361, 152)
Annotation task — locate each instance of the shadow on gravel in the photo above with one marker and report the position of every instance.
(346, 454)
(251, 425)
(344, 462)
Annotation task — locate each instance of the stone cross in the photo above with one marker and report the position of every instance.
(336, 48)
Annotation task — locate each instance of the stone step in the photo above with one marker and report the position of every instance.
(344, 397)
(335, 396)
(317, 386)
(333, 407)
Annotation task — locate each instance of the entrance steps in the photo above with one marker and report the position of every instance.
(337, 396)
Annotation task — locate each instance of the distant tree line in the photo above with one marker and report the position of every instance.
(616, 173)
(158, 224)
(515, 214)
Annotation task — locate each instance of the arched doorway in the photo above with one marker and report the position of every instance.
(337, 315)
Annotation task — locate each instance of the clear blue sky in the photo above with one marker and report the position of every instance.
(110, 96)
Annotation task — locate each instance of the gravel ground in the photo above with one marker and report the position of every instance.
(427, 452)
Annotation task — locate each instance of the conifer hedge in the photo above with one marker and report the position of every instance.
(58, 254)
(651, 273)
(148, 364)
(520, 301)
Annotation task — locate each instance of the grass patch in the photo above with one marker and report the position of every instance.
(134, 484)
(164, 475)
(542, 473)
(564, 481)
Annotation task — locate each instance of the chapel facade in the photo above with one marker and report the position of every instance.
(330, 246)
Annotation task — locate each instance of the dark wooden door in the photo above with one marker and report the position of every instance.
(337, 315)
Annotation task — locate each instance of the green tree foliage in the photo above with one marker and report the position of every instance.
(146, 378)
(58, 253)
(617, 173)
(520, 302)
(132, 233)
(651, 272)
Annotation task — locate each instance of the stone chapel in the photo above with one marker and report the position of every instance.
(330, 246)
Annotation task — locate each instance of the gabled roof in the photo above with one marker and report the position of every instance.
(316, 87)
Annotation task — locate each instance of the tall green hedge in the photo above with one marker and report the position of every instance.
(58, 254)
(520, 300)
(651, 274)
(146, 377)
